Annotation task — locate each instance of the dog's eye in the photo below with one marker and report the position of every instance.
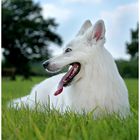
(68, 50)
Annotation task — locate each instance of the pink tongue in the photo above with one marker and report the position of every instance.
(65, 78)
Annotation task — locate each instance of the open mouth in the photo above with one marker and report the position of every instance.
(68, 77)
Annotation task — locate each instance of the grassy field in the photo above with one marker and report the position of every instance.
(51, 125)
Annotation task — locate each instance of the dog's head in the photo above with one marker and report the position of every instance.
(77, 53)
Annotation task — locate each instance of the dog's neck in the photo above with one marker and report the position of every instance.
(96, 71)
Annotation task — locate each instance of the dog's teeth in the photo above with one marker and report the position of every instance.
(64, 81)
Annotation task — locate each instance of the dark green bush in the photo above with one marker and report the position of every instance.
(128, 69)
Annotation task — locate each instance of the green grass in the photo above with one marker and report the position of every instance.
(51, 125)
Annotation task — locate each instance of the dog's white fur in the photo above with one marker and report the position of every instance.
(98, 86)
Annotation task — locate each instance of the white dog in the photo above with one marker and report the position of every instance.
(92, 82)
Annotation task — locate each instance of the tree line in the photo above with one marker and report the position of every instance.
(25, 35)
(129, 68)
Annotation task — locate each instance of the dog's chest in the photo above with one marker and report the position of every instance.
(79, 100)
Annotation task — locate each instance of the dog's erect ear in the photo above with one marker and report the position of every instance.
(84, 27)
(98, 31)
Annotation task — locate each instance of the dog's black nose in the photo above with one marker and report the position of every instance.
(45, 64)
